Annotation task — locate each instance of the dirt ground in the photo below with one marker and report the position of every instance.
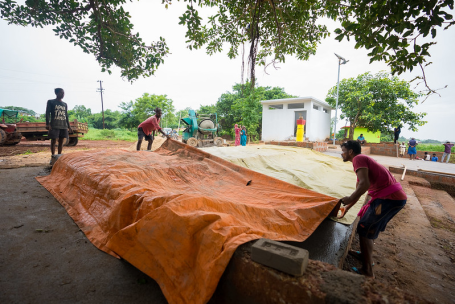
(37, 153)
(44, 146)
(45, 258)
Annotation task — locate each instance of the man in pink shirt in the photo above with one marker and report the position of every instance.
(387, 199)
(147, 129)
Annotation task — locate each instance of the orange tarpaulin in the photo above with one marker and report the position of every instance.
(179, 213)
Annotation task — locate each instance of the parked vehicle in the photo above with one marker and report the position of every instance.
(167, 131)
(8, 131)
(174, 135)
(201, 130)
(37, 131)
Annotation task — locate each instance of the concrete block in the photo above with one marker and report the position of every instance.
(54, 158)
(286, 258)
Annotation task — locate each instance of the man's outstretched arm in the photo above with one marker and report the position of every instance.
(362, 187)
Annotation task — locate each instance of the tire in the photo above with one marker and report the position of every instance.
(14, 140)
(218, 141)
(66, 141)
(192, 142)
(73, 141)
(2, 137)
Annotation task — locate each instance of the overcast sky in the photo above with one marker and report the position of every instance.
(35, 61)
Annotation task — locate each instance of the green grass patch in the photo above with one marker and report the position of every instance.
(431, 147)
(116, 134)
(28, 152)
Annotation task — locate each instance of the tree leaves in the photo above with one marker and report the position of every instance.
(101, 28)
(280, 28)
(377, 102)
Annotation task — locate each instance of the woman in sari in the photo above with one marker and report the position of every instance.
(237, 135)
(243, 137)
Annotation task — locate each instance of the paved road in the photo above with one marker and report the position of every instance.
(410, 164)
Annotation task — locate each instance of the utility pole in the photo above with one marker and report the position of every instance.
(341, 61)
(101, 91)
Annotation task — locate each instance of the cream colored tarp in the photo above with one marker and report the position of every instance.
(302, 167)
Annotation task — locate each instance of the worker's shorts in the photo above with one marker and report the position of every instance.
(141, 135)
(57, 133)
(412, 150)
(375, 219)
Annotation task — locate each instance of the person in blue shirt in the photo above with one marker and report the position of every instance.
(361, 139)
(243, 136)
(434, 158)
(412, 150)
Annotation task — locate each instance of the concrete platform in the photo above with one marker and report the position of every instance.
(329, 243)
(410, 164)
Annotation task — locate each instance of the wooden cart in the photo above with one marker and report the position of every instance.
(37, 131)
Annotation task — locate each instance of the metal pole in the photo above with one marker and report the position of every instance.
(102, 106)
(180, 117)
(336, 107)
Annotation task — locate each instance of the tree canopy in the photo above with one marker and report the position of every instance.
(243, 106)
(377, 102)
(272, 29)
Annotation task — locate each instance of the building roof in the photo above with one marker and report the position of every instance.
(296, 100)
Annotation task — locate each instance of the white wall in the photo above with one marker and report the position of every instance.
(278, 124)
(319, 127)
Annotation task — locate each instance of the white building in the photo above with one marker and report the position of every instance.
(279, 118)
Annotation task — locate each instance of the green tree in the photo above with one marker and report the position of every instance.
(181, 114)
(430, 141)
(81, 113)
(250, 109)
(111, 119)
(127, 119)
(144, 107)
(377, 102)
(243, 106)
(341, 134)
(204, 110)
(392, 30)
(101, 28)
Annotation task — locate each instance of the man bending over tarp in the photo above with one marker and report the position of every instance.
(147, 129)
(387, 199)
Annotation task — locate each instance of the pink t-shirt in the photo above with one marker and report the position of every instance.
(149, 125)
(378, 175)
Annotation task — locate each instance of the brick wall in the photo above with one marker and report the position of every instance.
(437, 181)
(390, 149)
(318, 146)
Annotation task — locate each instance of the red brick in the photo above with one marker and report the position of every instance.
(450, 180)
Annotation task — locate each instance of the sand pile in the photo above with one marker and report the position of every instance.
(157, 142)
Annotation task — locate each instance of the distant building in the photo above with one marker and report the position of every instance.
(370, 137)
(279, 118)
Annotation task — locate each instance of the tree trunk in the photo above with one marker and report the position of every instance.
(351, 130)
